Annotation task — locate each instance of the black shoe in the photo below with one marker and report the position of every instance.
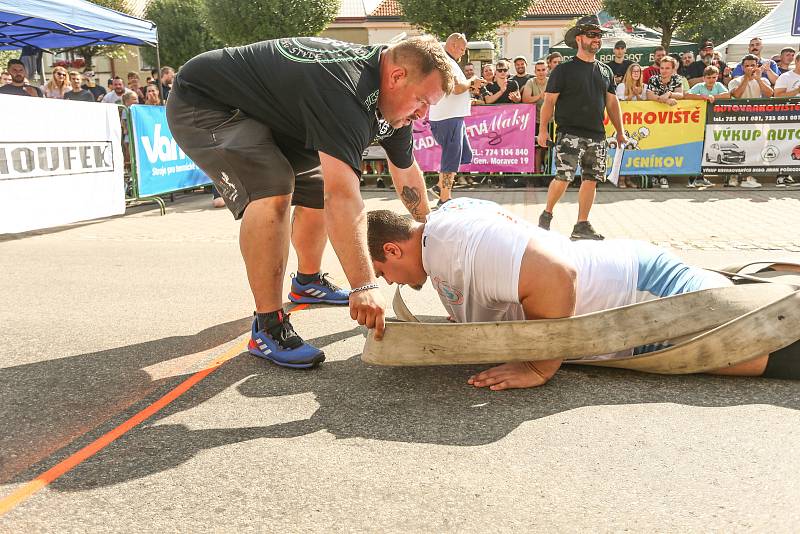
(380, 184)
(440, 204)
(584, 230)
(545, 219)
(362, 182)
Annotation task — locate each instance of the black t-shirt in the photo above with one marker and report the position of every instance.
(320, 92)
(494, 87)
(97, 91)
(11, 89)
(695, 70)
(619, 69)
(522, 80)
(82, 96)
(581, 89)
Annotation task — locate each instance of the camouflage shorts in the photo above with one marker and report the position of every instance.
(572, 150)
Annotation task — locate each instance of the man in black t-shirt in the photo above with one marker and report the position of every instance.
(619, 65)
(269, 141)
(90, 85)
(580, 91)
(77, 93)
(503, 90)
(18, 86)
(694, 72)
(521, 75)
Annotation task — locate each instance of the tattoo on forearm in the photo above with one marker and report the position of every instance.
(411, 198)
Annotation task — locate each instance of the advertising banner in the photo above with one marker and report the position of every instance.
(502, 138)
(161, 165)
(753, 137)
(60, 162)
(663, 139)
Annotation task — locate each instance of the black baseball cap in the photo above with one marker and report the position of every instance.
(620, 44)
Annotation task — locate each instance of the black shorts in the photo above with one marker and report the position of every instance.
(243, 158)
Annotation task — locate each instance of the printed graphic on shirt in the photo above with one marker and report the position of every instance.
(323, 50)
(448, 292)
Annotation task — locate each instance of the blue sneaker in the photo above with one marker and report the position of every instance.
(288, 351)
(322, 291)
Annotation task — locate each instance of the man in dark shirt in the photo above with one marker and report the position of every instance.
(270, 141)
(167, 77)
(619, 65)
(90, 85)
(580, 91)
(705, 57)
(18, 86)
(77, 92)
(502, 90)
(521, 68)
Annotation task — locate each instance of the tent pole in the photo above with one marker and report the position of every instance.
(158, 61)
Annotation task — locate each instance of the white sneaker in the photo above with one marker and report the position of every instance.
(733, 181)
(663, 183)
(691, 183)
(780, 181)
(704, 182)
(750, 182)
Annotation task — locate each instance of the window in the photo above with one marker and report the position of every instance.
(541, 44)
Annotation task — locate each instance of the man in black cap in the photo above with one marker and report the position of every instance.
(584, 89)
(619, 65)
(694, 72)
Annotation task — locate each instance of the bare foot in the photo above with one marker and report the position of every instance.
(509, 375)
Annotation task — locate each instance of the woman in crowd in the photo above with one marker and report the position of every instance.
(152, 96)
(58, 84)
(631, 88)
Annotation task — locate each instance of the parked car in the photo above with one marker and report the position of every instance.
(796, 152)
(725, 153)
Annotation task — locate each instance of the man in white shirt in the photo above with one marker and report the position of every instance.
(750, 84)
(488, 265)
(788, 83)
(118, 91)
(447, 119)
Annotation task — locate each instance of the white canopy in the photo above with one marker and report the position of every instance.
(775, 31)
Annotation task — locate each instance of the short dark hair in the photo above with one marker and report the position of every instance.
(384, 226)
(115, 78)
(166, 70)
(14, 62)
(749, 57)
(659, 48)
(787, 49)
(553, 55)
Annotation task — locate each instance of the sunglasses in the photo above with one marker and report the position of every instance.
(592, 35)
(501, 70)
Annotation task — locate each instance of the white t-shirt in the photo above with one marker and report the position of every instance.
(789, 80)
(113, 98)
(753, 89)
(621, 93)
(452, 105)
(472, 251)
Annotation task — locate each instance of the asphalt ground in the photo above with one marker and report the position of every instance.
(128, 403)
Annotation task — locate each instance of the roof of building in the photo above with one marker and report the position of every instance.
(538, 8)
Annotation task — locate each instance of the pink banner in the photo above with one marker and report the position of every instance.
(502, 138)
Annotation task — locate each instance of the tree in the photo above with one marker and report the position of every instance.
(665, 15)
(238, 22)
(731, 17)
(478, 19)
(182, 31)
(88, 53)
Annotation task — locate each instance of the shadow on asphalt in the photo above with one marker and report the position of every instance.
(431, 405)
(47, 404)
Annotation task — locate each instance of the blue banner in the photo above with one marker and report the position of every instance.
(161, 166)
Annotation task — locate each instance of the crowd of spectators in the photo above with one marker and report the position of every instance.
(670, 78)
(67, 84)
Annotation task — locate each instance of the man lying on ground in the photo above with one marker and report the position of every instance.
(489, 265)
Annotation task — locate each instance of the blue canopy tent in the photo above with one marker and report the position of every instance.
(63, 24)
(60, 24)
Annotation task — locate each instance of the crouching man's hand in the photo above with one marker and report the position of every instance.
(367, 307)
(516, 375)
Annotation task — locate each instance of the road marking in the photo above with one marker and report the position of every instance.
(22, 494)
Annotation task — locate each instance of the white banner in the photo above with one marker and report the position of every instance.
(60, 162)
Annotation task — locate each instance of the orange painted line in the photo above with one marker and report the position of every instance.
(14, 499)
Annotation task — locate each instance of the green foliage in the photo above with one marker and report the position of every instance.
(182, 31)
(665, 15)
(477, 19)
(239, 22)
(5, 55)
(730, 18)
(88, 53)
